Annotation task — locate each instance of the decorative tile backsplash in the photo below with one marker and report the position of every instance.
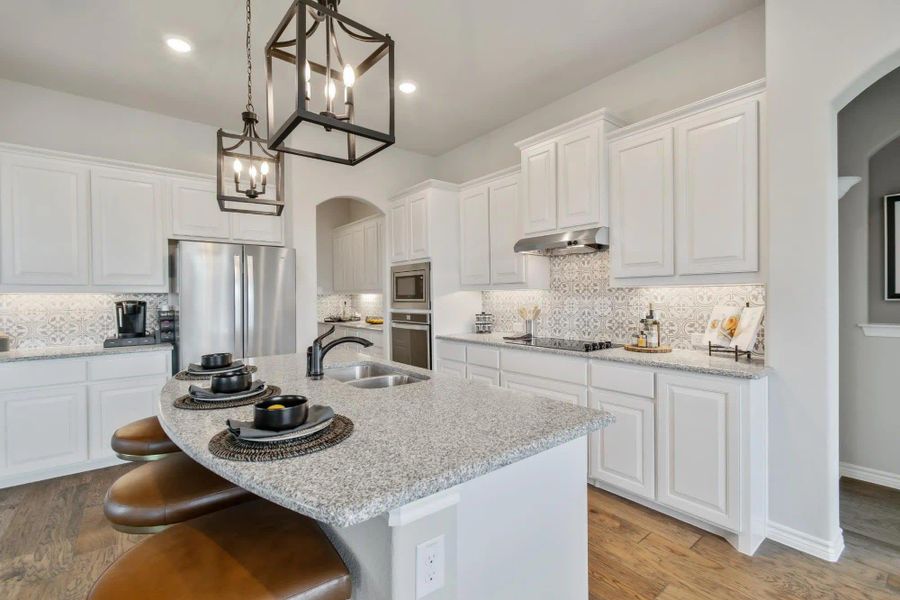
(41, 320)
(365, 304)
(581, 305)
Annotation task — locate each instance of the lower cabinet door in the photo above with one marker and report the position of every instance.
(622, 454)
(450, 366)
(485, 374)
(43, 428)
(548, 388)
(117, 403)
(699, 445)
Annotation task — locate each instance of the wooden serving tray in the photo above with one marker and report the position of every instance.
(661, 349)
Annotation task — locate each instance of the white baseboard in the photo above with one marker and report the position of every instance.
(51, 472)
(891, 480)
(818, 547)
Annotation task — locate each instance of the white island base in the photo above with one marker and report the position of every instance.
(517, 533)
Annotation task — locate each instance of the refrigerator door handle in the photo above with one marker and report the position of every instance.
(238, 307)
(251, 297)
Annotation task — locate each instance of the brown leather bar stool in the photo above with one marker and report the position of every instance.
(158, 494)
(254, 551)
(142, 440)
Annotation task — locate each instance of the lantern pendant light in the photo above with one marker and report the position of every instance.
(248, 152)
(289, 45)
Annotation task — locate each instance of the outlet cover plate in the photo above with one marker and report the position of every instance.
(429, 566)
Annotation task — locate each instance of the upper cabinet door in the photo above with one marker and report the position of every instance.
(418, 227)
(128, 238)
(44, 211)
(579, 178)
(399, 221)
(474, 236)
(642, 204)
(506, 265)
(195, 212)
(263, 229)
(337, 263)
(358, 260)
(539, 188)
(373, 255)
(717, 199)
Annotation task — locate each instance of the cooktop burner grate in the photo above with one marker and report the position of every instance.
(563, 344)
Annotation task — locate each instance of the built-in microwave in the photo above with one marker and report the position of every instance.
(411, 286)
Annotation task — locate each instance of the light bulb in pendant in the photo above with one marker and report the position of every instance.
(307, 71)
(237, 166)
(330, 90)
(264, 168)
(349, 75)
(252, 171)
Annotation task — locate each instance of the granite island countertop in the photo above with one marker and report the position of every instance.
(693, 361)
(354, 324)
(51, 352)
(408, 442)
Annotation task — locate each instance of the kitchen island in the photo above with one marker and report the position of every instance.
(494, 476)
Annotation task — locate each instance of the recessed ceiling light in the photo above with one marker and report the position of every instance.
(179, 45)
(407, 87)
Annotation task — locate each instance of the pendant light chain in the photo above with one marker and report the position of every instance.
(249, 65)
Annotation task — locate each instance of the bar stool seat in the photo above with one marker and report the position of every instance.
(254, 551)
(142, 440)
(158, 494)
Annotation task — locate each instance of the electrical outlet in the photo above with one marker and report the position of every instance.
(429, 566)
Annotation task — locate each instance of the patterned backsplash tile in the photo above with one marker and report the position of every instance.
(367, 305)
(41, 320)
(580, 304)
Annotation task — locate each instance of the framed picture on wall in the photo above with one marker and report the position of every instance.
(892, 247)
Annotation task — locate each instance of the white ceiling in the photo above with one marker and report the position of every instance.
(478, 64)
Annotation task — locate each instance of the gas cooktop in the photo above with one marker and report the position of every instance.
(563, 344)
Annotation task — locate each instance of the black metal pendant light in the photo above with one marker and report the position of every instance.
(291, 45)
(258, 173)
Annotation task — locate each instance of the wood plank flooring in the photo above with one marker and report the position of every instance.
(54, 541)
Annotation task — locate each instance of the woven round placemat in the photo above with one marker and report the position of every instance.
(188, 376)
(189, 403)
(225, 445)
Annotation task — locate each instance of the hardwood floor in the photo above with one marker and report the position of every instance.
(54, 542)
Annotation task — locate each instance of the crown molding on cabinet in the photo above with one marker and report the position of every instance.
(738, 93)
(428, 184)
(598, 115)
(514, 170)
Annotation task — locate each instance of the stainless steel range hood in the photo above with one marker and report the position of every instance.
(582, 241)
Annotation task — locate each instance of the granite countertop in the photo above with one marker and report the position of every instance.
(408, 442)
(355, 324)
(693, 361)
(75, 352)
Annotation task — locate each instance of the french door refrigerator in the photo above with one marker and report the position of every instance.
(234, 298)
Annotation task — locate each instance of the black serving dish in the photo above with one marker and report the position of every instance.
(216, 361)
(294, 413)
(231, 383)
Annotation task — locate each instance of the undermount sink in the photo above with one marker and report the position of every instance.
(370, 375)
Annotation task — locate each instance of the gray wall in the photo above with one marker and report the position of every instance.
(884, 178)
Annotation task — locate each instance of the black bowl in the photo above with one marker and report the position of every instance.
(216, 361)
(231, 383)
(294, 413)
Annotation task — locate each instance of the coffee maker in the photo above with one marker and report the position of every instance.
(131, 325)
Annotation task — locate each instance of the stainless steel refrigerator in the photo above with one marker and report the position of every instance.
(234, 298)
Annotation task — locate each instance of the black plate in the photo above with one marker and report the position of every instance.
(294, 413)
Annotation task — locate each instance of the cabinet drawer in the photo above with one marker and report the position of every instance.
(451, 351)
(544, 364)
(28, 374)
(629, 380)
(451, 367)
(539, 386)
(484, 356)
(479, 373)
(129, 365)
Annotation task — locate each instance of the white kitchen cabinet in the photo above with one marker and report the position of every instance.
(195, 212)
(539, 189)
(43, 428)
(112, 404)
(572, 393)
(475, 236)
(642, 204)
(483, 374)
(578, 178)
(372, 279)
(717, 196)
(699, 447)
(357, 257)
(451, 367)
(489, 229)
(398, 216)
(257, 229)
(622, 454)
(419, 246)
(44, 221)
(128, 240)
